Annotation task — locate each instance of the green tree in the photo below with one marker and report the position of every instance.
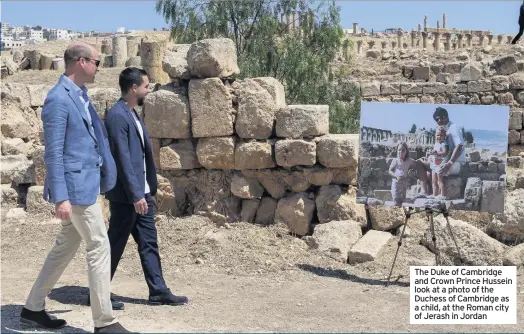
(299, 58)
(413, 128)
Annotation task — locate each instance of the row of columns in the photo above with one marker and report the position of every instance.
(377, 135)
(459, 44)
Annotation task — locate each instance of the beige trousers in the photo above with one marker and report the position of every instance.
(87, 223)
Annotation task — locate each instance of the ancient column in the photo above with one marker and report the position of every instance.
(510, 38)
(359, 46)
(399, 38)
(448, 42)
(419, 28)
(490, 39)
(425, 23)
(371, 44)
(107, 48)
(469, 37)
(444, 21)
(393, 45)
(283, 18)
(438, 24)
(133, 46)
(460, 44)
(500, 37)
(288, 22)
(436, 43)
(481, 40)
(425, 40)
(294, 24)
(119, 51)
(152, 51)
(46, 61)
(384, 44)
(413, 37)
(58, 64)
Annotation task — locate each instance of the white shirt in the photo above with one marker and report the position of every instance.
(139, 125)
(453, 138)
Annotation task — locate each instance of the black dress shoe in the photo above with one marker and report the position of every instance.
(167, 298)
(117, 306)
(113, 328)
(40, 319)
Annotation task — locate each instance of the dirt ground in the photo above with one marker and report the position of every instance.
(242, 278)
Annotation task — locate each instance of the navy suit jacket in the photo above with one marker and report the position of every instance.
(73, 149)
(129, 152)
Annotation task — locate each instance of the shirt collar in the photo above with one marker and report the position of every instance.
(80, 90)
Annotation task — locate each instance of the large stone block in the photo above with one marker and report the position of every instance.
(275, 89)
(479, 86)
(249, 210)
(256, 111)
(369, 246)
(35, 203)
(410, 88)
(295, 121)
(473, 193)
(254, 155)
(296, 212)
(295, 152)
(335, 204)
(370, 88)
(390, 88)
(211, 108)
(505, 65)
(453, 186)
(505, 98)
(336, 238)
(271, 179)
(434, 88)
(492, 197)
(167, 115)
(266, 211)
(445, 78)
(9, 196)
(15, 146)
(174, 62)
(499, 82)
(515, 119)
(246, 188)
(514, 256)
(338, 151)
(216, 153)
(18, 122)
(179, 155)
(516, 81)
(508, 226)
(39, 170)
(513, 137)
(16, 169)
(453, 68)
(209, 58)
(421, 73)
(471, 72)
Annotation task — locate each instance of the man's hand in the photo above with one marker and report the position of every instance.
(141, 206)
(63, 210)
(445, 168)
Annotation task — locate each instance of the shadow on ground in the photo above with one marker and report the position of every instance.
(77, 295)
(344, 275)
(11, 322)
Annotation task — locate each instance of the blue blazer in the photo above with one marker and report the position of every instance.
(72, 149)
(129, 152)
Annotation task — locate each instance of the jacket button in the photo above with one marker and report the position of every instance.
(97, 165)
(96, 146)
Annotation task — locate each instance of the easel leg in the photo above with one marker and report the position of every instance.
(408, 215)
(445, 213)
(429, 214)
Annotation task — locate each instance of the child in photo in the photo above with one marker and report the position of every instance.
(440, 155)
(399, 171)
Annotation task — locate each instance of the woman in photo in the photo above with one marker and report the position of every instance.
(399, 171)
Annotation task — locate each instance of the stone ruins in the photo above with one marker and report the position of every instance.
(234, 150)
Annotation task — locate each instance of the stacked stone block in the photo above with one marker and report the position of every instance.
(234, 147)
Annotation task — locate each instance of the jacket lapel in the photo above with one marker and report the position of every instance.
(79, 105)
(132, 120)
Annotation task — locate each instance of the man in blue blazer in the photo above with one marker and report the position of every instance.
(131, 200)
(79, 167)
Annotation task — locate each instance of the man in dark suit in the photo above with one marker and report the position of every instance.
(131, 200)
(521, 25)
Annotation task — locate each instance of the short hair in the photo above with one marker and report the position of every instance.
(129, 77)
(75, 51)
(440, 112)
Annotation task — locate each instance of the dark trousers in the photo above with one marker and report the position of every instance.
(125, 221)
(521, 30)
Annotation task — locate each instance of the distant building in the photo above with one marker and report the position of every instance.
(6, 45)
(59, 34)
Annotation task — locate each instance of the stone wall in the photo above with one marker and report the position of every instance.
(230, 149)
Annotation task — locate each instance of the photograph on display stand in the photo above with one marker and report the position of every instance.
(433, 155)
